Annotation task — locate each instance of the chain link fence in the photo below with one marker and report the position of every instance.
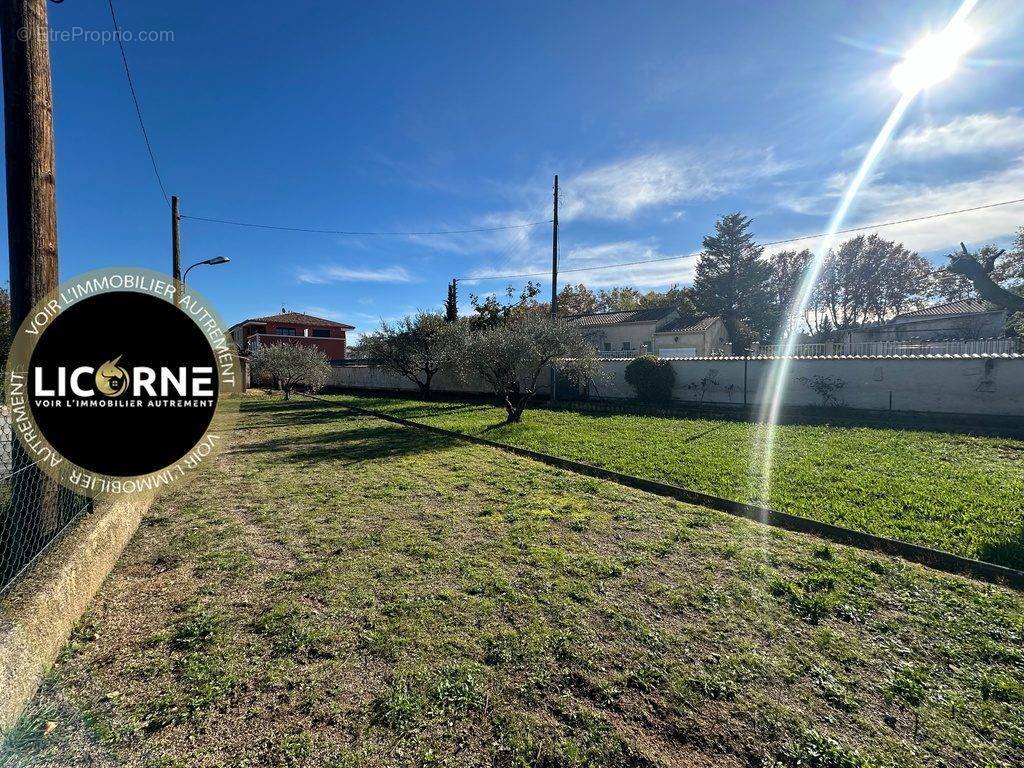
(34, 509)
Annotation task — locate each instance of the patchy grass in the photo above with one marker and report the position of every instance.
(959, 493)
(342, 592)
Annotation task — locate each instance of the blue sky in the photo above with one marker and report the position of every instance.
(658, 117)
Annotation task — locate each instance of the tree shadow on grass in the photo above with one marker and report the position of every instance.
(291, 413)
(430, 408)
(700, 435)
(351, 445)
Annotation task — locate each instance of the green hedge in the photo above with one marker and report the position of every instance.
(652, 378)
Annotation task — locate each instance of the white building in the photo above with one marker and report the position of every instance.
(968, 319)
(658, 330)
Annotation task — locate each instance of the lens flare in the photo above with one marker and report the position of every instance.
(916, 78)
(933, 59)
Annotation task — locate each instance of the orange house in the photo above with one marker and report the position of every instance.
(292, 328)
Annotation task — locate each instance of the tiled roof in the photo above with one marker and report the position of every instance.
(298, 318)
(963, 307)
(685, 325)
(652, 315)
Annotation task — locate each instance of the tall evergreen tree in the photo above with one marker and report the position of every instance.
(451, 304)
(732, 280)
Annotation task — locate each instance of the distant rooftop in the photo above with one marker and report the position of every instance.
(651, 315)
(299, 318)
(689, 325)
(962, 307)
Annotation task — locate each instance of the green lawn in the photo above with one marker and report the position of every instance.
(954, 492)
(338, 591)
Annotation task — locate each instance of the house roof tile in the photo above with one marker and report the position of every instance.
(650, 315)
(299, 318)
(963, 307)
(688, 325)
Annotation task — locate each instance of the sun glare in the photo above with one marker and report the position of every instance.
(933, 59)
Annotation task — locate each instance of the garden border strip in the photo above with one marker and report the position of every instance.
(932, 558)
(38, 614)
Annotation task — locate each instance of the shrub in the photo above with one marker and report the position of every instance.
(652, 378)
(291, 366)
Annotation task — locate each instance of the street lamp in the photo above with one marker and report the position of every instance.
(211, 262)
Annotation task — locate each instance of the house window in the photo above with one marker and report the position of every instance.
(625, 346)
(321, 333)
(286, 332)
(607, 346)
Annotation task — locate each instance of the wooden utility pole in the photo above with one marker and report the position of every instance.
(32, 515)
(175, 239)
(29, 155)
(554, 255)
(554, 282)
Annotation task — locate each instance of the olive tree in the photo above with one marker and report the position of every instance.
(416, 347)
(292, 366)
(510, 356)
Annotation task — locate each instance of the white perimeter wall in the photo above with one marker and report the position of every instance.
(991, 385)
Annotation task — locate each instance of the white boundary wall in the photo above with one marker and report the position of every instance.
(966, 385)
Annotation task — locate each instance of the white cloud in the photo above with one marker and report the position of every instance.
(329, 273)
(620, 190)
(679, 269)
(965, 135)
(660, 273)
(882, 201)
(363, 321)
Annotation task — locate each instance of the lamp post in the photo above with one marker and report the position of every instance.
(215, 260)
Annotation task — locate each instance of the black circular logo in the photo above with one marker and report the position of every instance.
(119, 382)
(123, 384)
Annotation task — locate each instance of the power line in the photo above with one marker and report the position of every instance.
(135, 98)
(770, 242)
(377, 233)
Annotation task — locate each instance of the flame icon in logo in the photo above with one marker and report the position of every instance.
(112, 379)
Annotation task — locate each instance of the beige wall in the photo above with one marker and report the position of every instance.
(637, 334)
(993, 385)
(715, 338)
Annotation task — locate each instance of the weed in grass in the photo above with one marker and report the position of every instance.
(291, 629)
(908, 688)
(399, 707)
(455, 690)
(193, 631)
(28, 736)
(292, 750)
(995, 686)
(832, 689)
(814, 750)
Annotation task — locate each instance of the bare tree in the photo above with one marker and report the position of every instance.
(510, 356)
(416, 347)
(292, 366)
